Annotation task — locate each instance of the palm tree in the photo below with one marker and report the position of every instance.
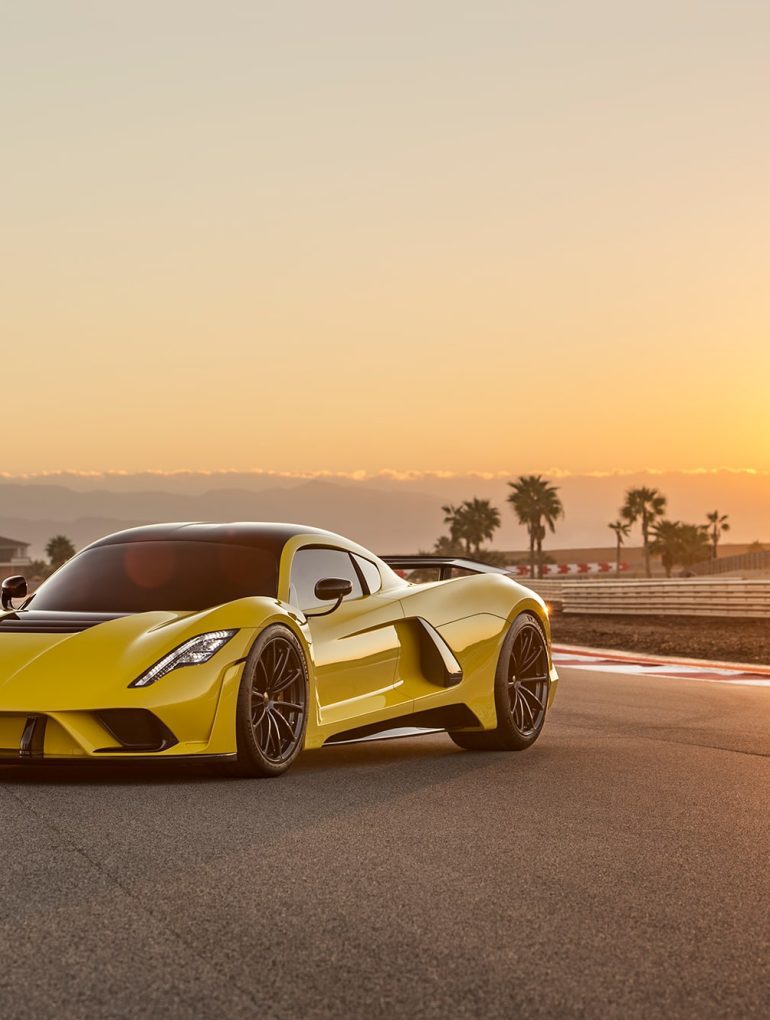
(666, 543)
(537, 506)
(678, 543)
(524, 502)
(480, 521)
(552, 510)
(621, 529)
(471, 522)
(453, 516)
(693, 544)
(59, 550)
(647, 506)
(717, 524)
(445, 546)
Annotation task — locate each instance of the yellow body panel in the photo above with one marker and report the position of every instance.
(363, 661)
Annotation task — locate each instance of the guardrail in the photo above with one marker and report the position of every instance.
(675, 597)
(759, 560)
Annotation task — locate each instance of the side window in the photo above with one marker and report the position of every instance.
(371, 573)
(311, 565)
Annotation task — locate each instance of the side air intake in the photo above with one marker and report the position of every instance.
(135, 729)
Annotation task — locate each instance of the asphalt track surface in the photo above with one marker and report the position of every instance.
(617, 869)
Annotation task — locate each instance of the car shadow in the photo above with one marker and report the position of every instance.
(327, 787)
(434, 752)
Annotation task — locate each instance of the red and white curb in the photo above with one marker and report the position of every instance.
(569, 569)
(600, 661)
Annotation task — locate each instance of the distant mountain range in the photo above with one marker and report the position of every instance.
(384, 512)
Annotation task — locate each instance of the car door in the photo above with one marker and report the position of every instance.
(355, 647)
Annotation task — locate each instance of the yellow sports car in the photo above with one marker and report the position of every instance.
(245, 643)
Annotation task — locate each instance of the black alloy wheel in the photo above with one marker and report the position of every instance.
(528, 680)
(522, 685)
(272, 704)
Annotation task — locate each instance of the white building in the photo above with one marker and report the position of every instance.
(14, 556)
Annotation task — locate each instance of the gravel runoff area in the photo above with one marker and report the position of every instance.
(694, 637)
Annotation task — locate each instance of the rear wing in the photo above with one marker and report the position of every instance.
(444, 564)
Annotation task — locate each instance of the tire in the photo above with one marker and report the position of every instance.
(271, 714)
(521, 691)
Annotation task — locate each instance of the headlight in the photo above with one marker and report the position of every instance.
(191, 653)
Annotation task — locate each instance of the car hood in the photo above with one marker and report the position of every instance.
(75, 660)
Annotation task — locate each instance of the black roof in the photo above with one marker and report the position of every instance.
(249, 533)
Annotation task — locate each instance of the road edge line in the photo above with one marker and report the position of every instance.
(644, 658)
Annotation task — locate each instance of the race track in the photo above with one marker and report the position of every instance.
(618, 869)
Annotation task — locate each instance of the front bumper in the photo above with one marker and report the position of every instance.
(158, 727)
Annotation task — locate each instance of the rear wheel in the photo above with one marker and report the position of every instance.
(521, 691)
(272, 704)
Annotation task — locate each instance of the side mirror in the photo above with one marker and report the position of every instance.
(330, 589)
(333, 588)
(13, 588)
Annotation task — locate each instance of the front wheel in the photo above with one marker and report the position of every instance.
(521, 691)
(271, 716)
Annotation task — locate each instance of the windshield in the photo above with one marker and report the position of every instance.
(139, 577)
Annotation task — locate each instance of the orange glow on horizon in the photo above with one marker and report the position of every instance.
(354, 240)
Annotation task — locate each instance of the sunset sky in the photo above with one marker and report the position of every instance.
(306, 236)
